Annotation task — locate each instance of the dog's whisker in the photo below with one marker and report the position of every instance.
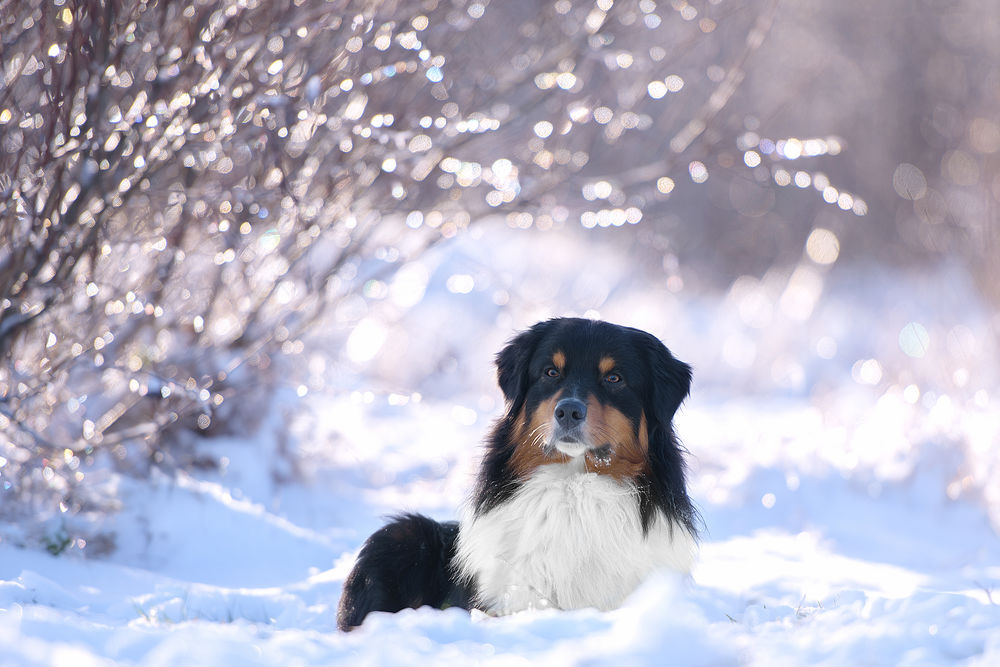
(539, 437)
(537, 432)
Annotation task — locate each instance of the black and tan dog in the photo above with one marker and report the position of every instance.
(581, 492)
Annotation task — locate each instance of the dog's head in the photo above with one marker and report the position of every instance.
(584, 388)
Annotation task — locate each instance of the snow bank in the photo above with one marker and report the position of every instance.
(801, 564)
(847, 489)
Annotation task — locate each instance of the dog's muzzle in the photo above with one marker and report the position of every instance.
(568, 434)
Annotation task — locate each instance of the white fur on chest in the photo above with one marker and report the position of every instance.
(566, 539)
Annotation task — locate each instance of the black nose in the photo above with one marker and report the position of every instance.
(570, 412)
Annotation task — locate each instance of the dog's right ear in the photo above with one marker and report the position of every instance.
(513, 361)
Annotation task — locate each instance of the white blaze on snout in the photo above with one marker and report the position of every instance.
(573, 449)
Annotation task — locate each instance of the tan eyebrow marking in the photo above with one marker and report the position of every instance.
(559, 360)
(607, 364)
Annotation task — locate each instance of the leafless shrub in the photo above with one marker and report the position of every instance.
(189, 187)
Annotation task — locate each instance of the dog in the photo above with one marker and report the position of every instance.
(580, 495)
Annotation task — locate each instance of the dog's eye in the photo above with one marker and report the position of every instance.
(552, 372)
(612, 378)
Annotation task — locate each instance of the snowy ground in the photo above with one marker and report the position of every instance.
(848, 506)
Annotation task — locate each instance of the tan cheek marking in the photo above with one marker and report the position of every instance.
(530, 439)
(629, 451)
(559, 360)
(606, 365)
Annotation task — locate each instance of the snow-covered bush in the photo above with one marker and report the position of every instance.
(193, 192)
(188, 188)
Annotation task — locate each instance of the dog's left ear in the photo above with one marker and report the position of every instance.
(670, 381)
(670, 377)
(513, 360)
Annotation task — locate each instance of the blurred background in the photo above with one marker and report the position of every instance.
(209, 208)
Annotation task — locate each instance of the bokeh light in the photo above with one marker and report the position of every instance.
(822, 246)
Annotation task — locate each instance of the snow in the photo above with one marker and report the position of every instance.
(846, 521)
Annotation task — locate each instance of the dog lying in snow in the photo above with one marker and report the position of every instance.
(580, 495)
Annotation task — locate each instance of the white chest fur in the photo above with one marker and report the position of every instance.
(566, 539)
